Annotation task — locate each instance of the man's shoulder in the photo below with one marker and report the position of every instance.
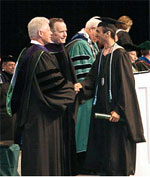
(120, 53)
(39, 52)
(82, 42)
(77, 43)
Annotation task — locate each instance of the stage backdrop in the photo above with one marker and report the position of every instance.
(15, 16)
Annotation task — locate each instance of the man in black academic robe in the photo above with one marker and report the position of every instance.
(9, 150)
(112, 143)
(43, 110)
(56, 47)
(7, 124)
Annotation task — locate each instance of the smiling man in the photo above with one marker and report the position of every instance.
(59, 30)
(56, 47)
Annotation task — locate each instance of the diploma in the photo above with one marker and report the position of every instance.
(102, 116)
(105, 116)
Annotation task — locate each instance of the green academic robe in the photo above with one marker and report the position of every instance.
(83, 57)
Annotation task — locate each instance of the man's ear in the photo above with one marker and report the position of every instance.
(108, 32)
(40, 33)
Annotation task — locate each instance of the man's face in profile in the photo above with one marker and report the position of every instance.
(60, 34)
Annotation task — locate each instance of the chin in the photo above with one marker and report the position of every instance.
(63, 41)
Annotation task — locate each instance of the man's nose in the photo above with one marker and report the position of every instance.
(65, 34)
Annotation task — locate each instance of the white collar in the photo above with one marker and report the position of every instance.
(35, 42)
(118, 30)
(85, 35)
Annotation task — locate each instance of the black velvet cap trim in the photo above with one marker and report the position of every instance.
(43, 74)
(83, 66)
(81, 75)
(80, 58)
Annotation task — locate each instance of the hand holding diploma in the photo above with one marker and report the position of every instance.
(114, 117)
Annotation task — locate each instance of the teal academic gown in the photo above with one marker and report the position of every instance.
(83, 56)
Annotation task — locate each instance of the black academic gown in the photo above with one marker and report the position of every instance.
(7, 123)
(112, 146)
(43, 114)
(66, 67)
(64, 61)
(68, 71)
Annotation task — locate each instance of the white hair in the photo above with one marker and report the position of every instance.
(92, 22)
(36, 24)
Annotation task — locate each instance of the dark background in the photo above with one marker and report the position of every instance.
(15, 16)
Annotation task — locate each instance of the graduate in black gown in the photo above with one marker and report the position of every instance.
(42, 96)
(112, 142)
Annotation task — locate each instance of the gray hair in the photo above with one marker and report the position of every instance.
(92, 22)
(35, 25)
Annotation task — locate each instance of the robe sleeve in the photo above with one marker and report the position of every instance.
(82, 57)
(57, 91)
(90, 82)
(127, 105)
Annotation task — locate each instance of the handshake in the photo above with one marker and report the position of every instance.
(77, 87)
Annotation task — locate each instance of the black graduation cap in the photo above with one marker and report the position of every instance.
(105, 21)
(8, 58)
(130, 47)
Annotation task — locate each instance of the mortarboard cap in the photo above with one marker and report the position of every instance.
(105, 21)
(145, 45)
(8, 58)
(130, 47)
